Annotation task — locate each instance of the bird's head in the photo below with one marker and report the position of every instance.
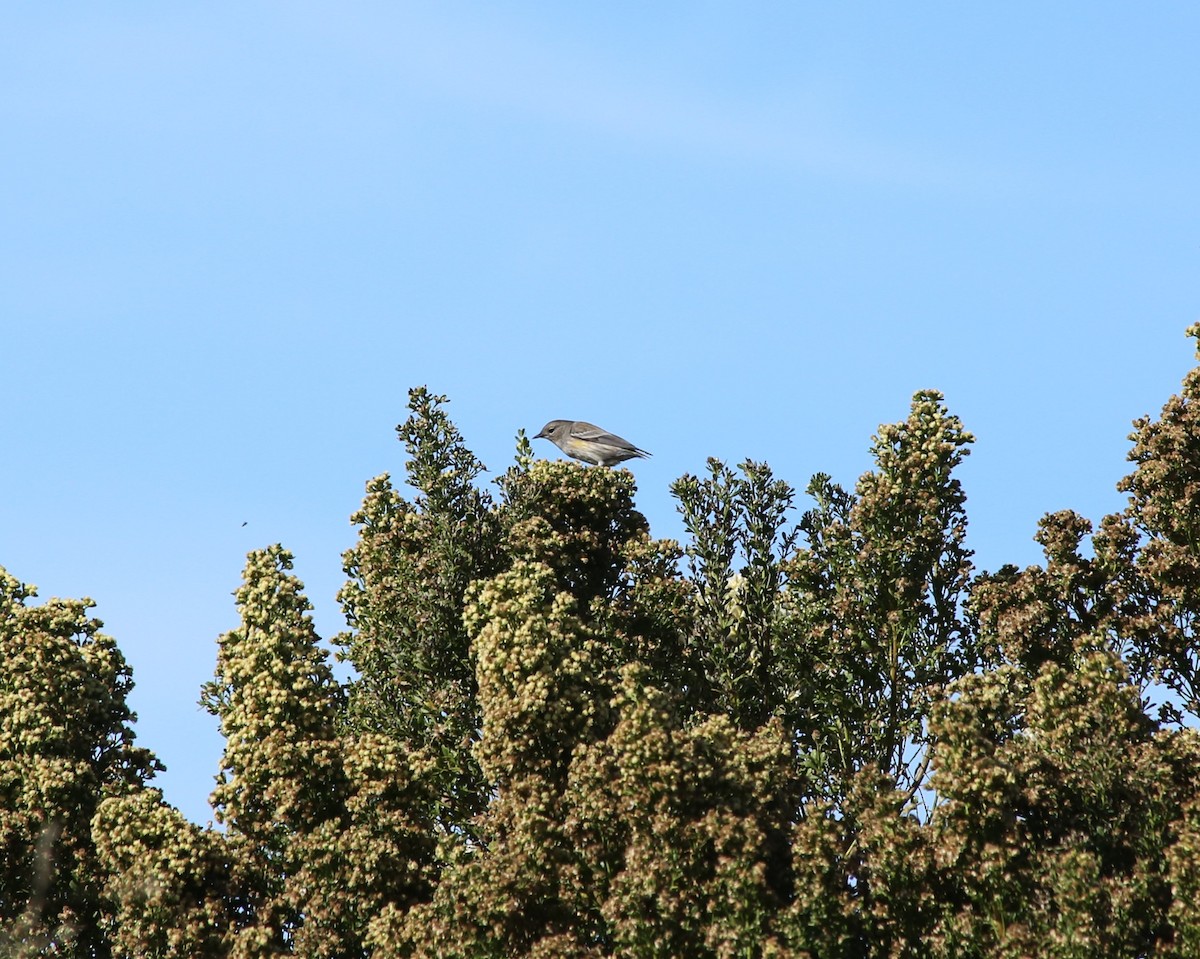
(554, 430)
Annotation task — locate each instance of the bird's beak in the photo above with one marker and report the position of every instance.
(541, 435)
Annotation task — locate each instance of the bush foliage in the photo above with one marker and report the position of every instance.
(818, 735)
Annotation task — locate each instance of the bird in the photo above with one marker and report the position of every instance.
(587, 442)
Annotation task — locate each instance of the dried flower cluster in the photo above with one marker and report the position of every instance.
(824, 737)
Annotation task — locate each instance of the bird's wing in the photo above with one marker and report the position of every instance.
(593, 433)
(588, 431)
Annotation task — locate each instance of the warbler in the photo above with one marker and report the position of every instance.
(583, 441)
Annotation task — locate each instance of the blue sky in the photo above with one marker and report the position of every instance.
(232, 236)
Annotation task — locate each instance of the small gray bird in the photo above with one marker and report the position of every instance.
(583, 441)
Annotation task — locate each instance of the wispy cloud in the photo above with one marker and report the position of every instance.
(811, 127)
(805, 128)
